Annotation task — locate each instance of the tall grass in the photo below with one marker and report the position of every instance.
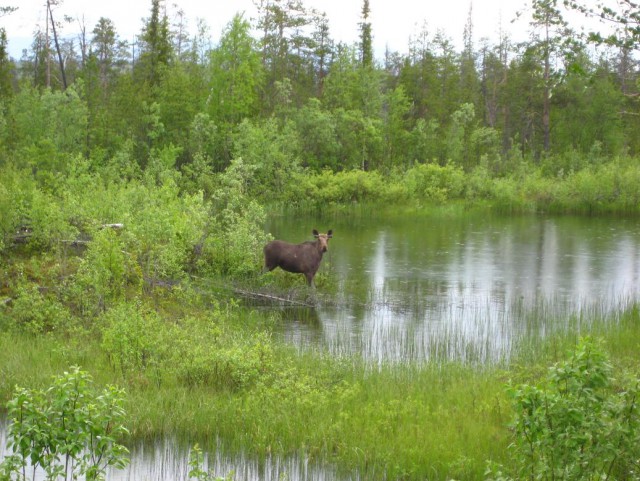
(435, 421)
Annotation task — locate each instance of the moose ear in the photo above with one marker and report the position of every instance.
(315, 233)
(330, 233)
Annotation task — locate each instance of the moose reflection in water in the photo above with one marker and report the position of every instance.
(297, 258)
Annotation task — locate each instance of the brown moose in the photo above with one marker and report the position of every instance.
(297, 258)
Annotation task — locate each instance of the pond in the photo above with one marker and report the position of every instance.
(471, 287)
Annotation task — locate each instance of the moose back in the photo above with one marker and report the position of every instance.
(297, 258)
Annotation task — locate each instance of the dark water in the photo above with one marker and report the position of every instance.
(471, 287)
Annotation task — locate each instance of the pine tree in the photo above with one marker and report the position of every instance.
(366, 39)
(5, 67)
(156, 48)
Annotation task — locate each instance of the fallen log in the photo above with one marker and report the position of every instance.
(270, 297)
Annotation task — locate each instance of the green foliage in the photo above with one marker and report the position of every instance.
(317, 132)
(425, 141)
(34, 311)
(132, 338)
(225, 362)
(196, 467)
(106, 273)
(578, 423)
(234, 237)
(361, 139)
(269, 153)
(162, 228)
(459, 135)
(48, 120)
(14, 190)
(341, 187)
(67, 430)
(237, 74)
(203, 139)
(435, 183)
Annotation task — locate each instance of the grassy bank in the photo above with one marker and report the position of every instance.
(438, 421)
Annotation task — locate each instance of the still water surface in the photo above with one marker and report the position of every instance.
(470, 287)
(168, 460)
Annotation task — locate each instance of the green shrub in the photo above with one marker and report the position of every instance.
(234, 236)
(435, 183)
(578, 423)
(132, 338)
(233, 364)
(197, 470)
(34, 312)
(105, 274)
(68, 430)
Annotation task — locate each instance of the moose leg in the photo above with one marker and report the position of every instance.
(310, 276)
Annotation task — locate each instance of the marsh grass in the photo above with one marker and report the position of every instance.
(439, 419)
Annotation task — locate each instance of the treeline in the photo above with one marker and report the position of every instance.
(284, 96)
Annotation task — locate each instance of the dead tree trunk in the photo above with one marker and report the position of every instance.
(55, 40)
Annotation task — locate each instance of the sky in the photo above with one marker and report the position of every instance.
(392, 21)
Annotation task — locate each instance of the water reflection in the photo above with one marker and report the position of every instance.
(168, 460)
(467, 288)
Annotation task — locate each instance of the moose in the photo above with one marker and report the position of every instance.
(297, 258)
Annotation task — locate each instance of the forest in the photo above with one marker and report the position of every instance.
(136, 179)
(562, 101)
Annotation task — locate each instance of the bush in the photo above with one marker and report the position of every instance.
(435, 183)
(132, 338)
(578, 423)
(33, 312)
(69, 430)
(233, 239)
(234, 364)
(106, 272)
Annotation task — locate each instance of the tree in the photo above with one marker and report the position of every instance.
(366, 39)
(180, 35)
(586, 114)
(109, 52)
(417, 73)
(469, 88)
(7, 10)
(445, 97)
(493, 77)
(579, 422)
(323, 48)
(237, 79)
(236, 74)
(6, 67)
(316, 130)
(396, 143)
(69, 430)
(555, 40)
(622, 15)
(156, 48)
(287, 52)
(56, 42)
